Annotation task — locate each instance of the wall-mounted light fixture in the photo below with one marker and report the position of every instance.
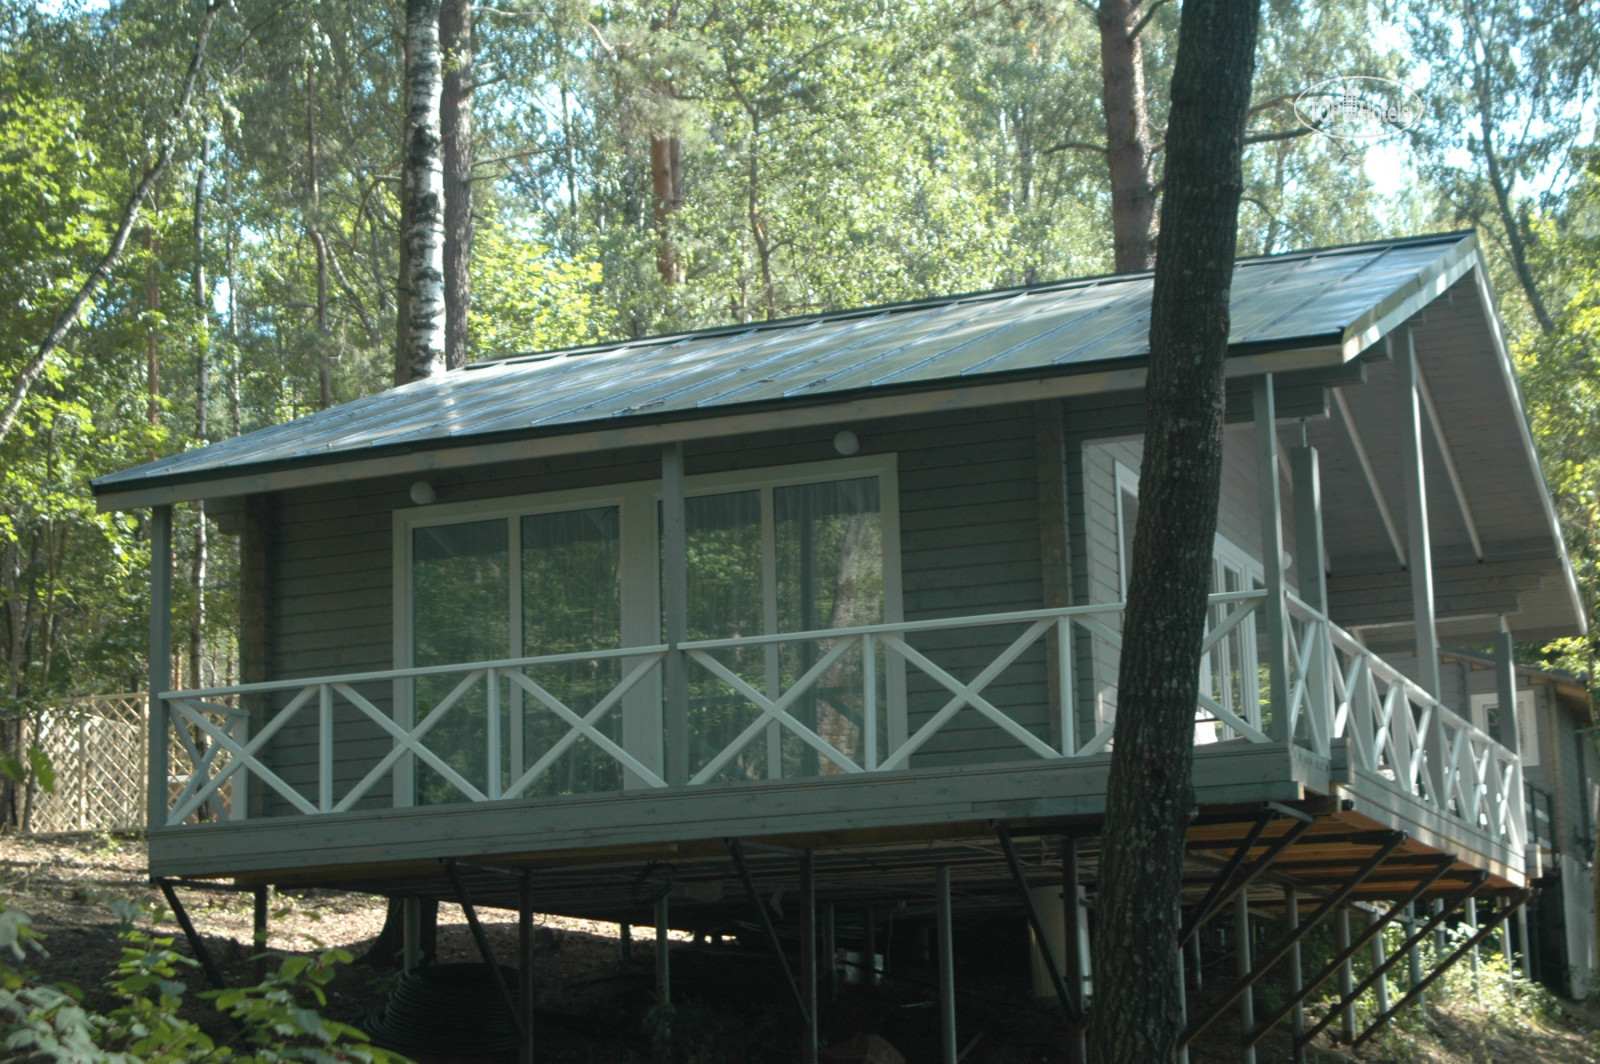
(422, 493)
(845, 442)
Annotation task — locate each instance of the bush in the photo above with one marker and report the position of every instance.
(277, 1020)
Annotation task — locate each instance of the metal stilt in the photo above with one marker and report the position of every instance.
(1347, 979)
(947, 970)
(1381, 989)
(663, 953)
(525, 964)
(1477, 971)
(1291, 915)
(1242, 952)
(196, 943)
(809, 1044)
(259, 932)
(484, 949)
(1183, 993)
(1076, 972)
(1414, 959)
(625, 942)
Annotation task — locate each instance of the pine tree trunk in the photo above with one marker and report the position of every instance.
(455, 120)
(1150, 798)
(1133, 196)
(202, 396)
(423, 324)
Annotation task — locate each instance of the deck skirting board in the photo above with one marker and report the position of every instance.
(1224, 774)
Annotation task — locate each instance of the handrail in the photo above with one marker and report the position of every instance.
(1337, 690)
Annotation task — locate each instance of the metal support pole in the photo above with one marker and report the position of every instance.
(160, 672)
(1291, 917)
(1197, 963)
(484, 949)
(1242, 953)
(675, 595)
(1414, 961)
(1440, 969)
(525, 965)
(1045, 951)
(1381, 990)
(809, 1043)
(870, 933)
(1347, 1014)
(830, 948)
(1076, 973)
(663, 952)
(259, 931)
(947, 969)
(1274, 611)
(1477, 968)
(196, 943)
(737, 853)
(1183, 992)
(1419, 554)
(1526, 943)
(625, 942)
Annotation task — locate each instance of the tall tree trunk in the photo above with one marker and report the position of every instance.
(666, 177)
(202, 396)
(1149, 797)
(424, 323)
(455, 122)
(119, 240)
(1133, 196)
(319, 242)
(1516, 236)
(152, 343)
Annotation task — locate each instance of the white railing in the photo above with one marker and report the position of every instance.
(832, 702)
(1398, 731)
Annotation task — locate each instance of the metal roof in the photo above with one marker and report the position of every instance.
(1343, 298)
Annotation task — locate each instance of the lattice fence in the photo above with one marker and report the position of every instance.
(97, 746)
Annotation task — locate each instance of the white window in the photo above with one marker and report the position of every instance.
(1486, 713)
(786, 549)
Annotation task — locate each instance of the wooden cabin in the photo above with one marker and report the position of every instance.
(834, 603)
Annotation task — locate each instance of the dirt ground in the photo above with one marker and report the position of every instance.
(732, 1005)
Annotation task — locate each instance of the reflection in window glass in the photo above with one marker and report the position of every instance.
(829, 575)
(460, 592)
(723, 535)
(571, 601)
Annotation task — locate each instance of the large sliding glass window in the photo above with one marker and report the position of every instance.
(768, 551)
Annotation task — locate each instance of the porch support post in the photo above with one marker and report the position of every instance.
(1347, 980)
(663, 952)
(1077, 1044)
(947, 970)
(160, 677)
(1420, 554)
(1241, 951)
(525, 964)
(809, 1044)
(675, 589)
(1306, 478)
(1509, 733)
(1291, 918)
(1414, 962)
(1269, 498)
(259, 931)
(1379, 957)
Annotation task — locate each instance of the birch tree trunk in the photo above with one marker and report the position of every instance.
(1128, 154)
(455, 122)
(1150, 798)
(422, 345)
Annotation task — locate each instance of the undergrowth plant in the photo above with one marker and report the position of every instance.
(276, 1020)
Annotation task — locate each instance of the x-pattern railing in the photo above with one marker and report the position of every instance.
(1337, 689)
(1346, 691)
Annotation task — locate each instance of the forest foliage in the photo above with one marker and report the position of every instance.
(833, 153)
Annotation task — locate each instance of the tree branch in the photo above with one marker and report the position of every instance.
(1139, 26)
(130, 215)
(1073, 145)
(1276, 134)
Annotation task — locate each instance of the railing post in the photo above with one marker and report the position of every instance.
(869, 699)
(675, 588)
(491, 781)
(1510, 729)
(324, 748)
(1307, 487)
(1069, 701)
(160, 675)
(1269, 498)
